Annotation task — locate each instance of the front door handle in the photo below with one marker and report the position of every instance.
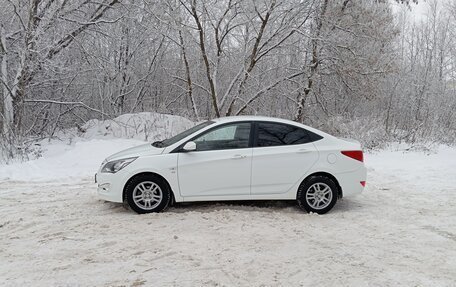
(239, 156)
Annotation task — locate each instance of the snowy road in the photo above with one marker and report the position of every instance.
(400, 232)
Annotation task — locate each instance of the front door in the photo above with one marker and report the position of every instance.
(221, 164)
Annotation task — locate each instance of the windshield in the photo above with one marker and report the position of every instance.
(182, 135)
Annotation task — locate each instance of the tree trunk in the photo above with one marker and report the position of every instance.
(8, 116)
(188, 76)
(253, 57)
(202, 45)
(299, 116)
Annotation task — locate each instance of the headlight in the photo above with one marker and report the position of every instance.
(116, 165)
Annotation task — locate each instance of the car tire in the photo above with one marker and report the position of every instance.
(147, 193)
(317, 194)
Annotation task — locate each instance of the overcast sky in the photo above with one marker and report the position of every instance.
(418, 11)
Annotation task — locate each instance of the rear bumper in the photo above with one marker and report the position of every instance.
(350, 182)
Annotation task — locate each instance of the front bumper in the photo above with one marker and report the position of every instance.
(110, 186)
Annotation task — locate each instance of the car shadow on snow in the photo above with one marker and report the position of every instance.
(286, 206)
(248, 205)
(348, 205)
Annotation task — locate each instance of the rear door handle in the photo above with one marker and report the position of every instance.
(303, 150)
(239, 156)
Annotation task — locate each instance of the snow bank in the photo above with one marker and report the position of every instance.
(79, 152)
(142, 126)
(61, 161)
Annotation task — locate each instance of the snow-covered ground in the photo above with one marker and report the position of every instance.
(55, 232)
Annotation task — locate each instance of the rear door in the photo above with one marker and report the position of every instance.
(221, 165)
(282, 155)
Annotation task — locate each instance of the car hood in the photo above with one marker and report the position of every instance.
(141, 150)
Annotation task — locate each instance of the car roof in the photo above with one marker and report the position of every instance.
(267, 119)
(250, 118)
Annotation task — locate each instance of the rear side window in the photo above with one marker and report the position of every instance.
(276, 134)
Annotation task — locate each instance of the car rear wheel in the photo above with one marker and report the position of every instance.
(147, 193)
(317, 194)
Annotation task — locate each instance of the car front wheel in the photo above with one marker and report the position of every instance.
(317, 194)
(147, 193)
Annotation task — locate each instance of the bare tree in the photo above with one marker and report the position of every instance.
(38, 18)
(342, 66)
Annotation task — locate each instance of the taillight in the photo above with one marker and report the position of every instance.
(363, 183)
(354, 154)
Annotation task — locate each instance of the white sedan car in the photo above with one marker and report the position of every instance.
(236, 158)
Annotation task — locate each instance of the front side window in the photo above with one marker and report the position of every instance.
(182, 135)
(276, 134)
(231, 136)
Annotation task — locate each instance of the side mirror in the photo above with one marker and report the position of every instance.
(189, 146)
